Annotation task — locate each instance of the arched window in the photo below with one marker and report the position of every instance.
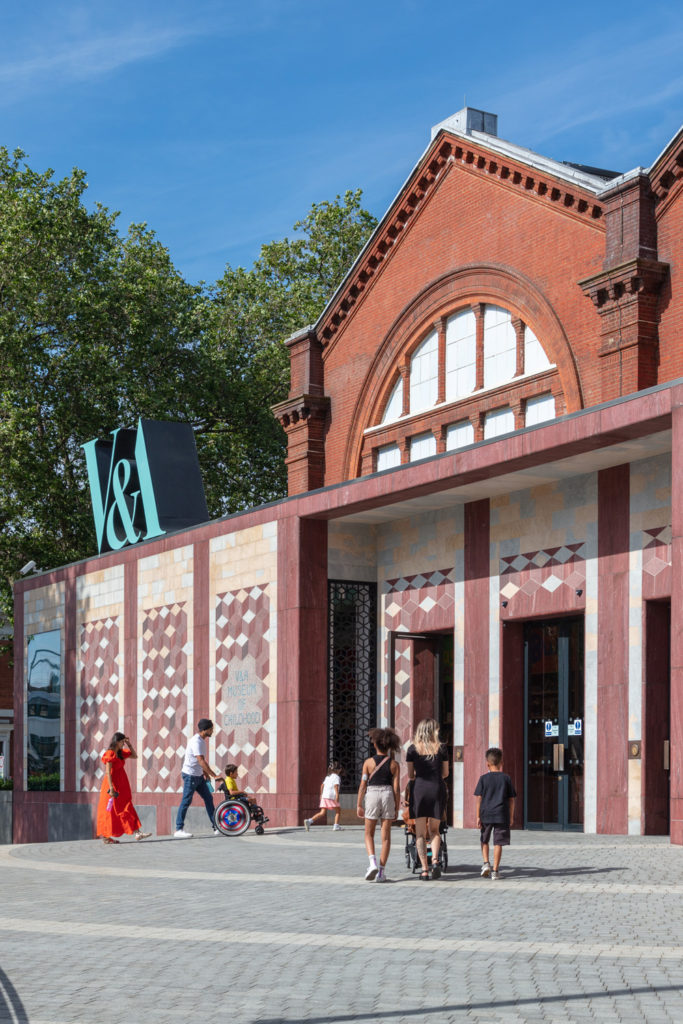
(394, 406)
(535, 359)
(424, 374)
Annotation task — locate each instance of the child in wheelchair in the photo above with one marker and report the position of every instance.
(230, 824)
(412, 858)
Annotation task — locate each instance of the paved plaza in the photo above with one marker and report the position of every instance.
(283, 928)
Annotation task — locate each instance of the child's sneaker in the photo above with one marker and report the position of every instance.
(337, 828)
(495, 874)
(307, 824)
(381, 877)
(485, 869)
(371, 873)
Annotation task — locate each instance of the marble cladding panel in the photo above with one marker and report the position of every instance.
(650, 523)
(164, 725)
(99, 667)
(244, 689)
(98, 700)
(420, 544)
(351, 552)
(244, 558)
(402, 649)
(99, 595)
(165, 667)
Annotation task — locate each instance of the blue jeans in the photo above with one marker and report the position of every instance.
(194, 784)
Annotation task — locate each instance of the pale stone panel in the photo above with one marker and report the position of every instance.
(634, 797)
(650, 495)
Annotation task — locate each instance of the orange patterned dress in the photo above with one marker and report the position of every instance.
(123, 816)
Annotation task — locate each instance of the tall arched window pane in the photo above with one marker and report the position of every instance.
(535, 359)
(500, 347)
(424, 370)
(394, 406)
(461, 355)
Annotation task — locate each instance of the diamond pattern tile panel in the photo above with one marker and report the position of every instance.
(164, 701)
(543, 559)
(243, 699)
(98, 698)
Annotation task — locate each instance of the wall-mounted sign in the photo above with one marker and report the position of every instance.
(144, 483)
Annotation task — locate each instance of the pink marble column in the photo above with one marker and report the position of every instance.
(613, 645)
(676, 728)
(301, 666)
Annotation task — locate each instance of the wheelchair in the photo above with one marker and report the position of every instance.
(234, 816)
(413, 861)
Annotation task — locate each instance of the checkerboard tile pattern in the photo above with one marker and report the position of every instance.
(98, 698)
(164, 706)
(656, 550)
(243, 697)
(546, 570)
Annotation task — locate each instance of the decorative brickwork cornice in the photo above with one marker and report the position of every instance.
(293, 410)
(447, 152)
(636, 277)
(666, 176)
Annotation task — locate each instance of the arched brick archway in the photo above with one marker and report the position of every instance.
(487, 283)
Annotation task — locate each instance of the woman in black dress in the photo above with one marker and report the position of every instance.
(427, 761)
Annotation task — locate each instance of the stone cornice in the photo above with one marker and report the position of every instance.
(636, 277)
(446, 152)
(667, 178)
(293, 410)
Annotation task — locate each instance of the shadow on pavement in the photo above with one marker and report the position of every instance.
(11, 1006)
(493, 1005)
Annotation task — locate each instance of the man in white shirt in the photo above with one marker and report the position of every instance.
(195, 774)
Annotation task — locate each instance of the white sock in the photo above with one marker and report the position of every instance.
(373, 862)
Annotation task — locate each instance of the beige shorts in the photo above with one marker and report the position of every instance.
(380, 803)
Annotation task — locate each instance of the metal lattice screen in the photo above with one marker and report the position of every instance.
(352, 676)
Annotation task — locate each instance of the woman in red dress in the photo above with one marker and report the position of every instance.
(115, 813)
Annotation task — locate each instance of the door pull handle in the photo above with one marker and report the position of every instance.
(667, 755)
(558, 757)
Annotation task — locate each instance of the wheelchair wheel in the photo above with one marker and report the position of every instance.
(444, 857)
(259, 830)
(232, 818)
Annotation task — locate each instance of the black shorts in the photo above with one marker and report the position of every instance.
(501, 834)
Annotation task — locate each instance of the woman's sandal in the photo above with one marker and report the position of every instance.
(424, 876)
(108, 841)
(436, 870)
(141, 835)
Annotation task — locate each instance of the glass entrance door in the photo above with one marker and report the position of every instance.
(554, 724)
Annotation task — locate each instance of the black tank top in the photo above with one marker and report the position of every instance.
(383, 777)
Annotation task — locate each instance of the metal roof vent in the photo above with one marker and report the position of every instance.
(469, 120)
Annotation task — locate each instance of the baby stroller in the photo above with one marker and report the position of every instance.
(234, 816)
(412, 858)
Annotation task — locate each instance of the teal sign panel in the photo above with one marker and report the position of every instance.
(144, 483)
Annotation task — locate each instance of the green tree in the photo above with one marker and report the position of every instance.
(97, 329)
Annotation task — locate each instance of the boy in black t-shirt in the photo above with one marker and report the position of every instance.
(495, 810)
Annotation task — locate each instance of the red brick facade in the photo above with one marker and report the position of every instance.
(589, 265)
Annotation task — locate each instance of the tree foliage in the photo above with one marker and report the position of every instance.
(98, 328)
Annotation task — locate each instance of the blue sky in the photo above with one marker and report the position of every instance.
(219, 123)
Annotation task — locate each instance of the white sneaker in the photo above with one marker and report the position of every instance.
(381, 877)
(485, 870)
(215, 832)
(371, 873)
(337, 828)
(307, 824)
(182, 834)
(495, 874)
